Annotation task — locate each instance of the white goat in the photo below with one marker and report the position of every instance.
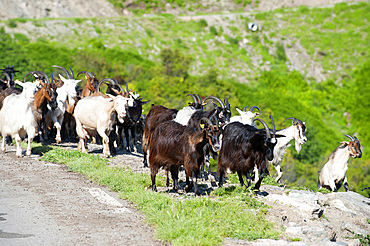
(16, 117)
(296, 131)
(98, 114)
(333, 174)
(67, 90)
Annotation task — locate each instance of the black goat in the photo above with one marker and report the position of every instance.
(243, 147)
(172, 145)
(156, 115)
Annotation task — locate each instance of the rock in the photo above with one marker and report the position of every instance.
(271, 242)
(294, 231)
(353, 228)
(306, 202)
(340, 205)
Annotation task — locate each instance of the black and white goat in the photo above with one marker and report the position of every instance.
(333, 174)
(296, 131)
(66, 92)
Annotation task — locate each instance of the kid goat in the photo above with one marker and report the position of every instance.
(333, 174)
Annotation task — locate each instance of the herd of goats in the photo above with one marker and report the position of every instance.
(171, 138)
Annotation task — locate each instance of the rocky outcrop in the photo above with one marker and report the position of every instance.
(315, 218)
(55, 9)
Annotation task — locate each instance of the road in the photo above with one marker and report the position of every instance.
(45, 204)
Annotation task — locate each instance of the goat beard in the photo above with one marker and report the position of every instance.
(297, 147)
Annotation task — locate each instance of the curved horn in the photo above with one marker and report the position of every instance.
(294, 119)
(273, 126)
(126, 87)
(251, 109)
(120, 87)
(32, 72)
(73, 75)
(45, 76)
(266, 127)
(198, 98)
(65, 70)
(52, 78)
(103, 80)
(227, 103)
(85, 72)
(7, 76)
(214, 98)
(194, 97)
(348, 136)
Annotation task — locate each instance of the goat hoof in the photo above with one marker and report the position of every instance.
(28, 153)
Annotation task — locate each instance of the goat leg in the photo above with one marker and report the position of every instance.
(3, 144)
(18, 152)
(240, 178)
(221, 178)
(258, 184)
(279, 173)
(345, 183)
(153, 173)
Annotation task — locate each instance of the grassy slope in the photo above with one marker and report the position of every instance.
(262, 50)
(335, 38)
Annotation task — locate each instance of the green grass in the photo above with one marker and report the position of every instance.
(193, 221)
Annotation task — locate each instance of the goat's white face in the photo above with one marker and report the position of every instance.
(70, 86)
(29, 90)
(299, 135)
(120, 104)
(247, 116)
(131, 100)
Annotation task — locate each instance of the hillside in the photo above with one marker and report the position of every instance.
(305, 62)
(316, 42)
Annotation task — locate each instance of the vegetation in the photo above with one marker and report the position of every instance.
(165, 58)
(191, 221)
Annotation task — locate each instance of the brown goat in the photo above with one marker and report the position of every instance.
(172, 145)
(156, 115)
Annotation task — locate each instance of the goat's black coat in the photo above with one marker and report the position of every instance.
(243, 147)
(156, 115)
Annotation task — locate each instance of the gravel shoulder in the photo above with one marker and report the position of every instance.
(45, 204)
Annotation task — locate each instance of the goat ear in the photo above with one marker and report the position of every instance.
(77, 81)
(343, 143)
(239, 111)
(19, 83)
(62, 78)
